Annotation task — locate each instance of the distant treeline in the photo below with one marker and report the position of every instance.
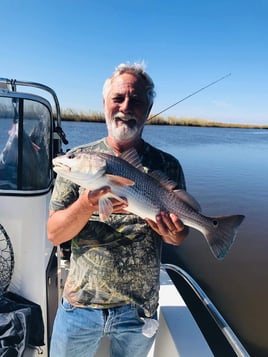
(71, 115)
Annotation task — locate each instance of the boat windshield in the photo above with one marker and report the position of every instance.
(25, 142)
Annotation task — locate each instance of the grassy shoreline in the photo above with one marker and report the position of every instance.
(71, 115)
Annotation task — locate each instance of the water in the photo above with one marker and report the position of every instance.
(226, 170)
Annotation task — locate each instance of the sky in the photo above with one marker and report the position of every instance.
(72, 46)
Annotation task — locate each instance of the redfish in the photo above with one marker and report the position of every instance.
(146, 194)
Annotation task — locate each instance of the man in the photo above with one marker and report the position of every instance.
(113, 284)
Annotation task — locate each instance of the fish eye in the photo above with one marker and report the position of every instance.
(70, 156)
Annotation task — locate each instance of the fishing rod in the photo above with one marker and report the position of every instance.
(190, 95)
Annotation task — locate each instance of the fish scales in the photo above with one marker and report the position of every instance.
(150, 191)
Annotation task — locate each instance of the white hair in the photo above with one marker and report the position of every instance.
(138, 70)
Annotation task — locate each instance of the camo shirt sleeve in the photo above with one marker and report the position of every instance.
(64, 194)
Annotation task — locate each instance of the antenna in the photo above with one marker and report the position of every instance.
(190, 95)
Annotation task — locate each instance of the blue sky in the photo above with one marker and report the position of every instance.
(73, 46)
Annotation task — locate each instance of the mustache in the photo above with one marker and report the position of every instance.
(124, 117)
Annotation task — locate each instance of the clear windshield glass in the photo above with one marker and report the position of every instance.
(25, 136)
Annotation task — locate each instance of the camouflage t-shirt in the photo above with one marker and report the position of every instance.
(115, 262)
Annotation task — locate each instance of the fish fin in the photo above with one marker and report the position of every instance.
(119, 181)
(189, 199)
(132, 157)
(163, 179)
(106, 206)
(222, 236)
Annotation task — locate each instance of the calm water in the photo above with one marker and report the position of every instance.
(227, 172)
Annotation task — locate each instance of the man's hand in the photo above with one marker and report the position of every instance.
(170, 227)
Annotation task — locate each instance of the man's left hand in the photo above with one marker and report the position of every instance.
(170, 227)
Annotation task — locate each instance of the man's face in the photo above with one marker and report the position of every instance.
(126, 108)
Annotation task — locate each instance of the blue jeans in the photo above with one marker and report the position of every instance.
(77, 332)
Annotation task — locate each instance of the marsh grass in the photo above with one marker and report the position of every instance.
(72, 115)
(91, 116)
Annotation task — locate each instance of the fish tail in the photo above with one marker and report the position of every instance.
(223, 233)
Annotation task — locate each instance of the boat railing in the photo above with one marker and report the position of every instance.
(228, 333)
(11, 84)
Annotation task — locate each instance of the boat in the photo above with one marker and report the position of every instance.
(33, 271)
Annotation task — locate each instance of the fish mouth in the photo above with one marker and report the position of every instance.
(61, 165)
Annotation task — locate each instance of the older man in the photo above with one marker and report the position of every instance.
(113, 284)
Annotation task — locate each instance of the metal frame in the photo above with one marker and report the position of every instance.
(11, 86)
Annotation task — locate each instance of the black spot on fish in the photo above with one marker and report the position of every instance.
(215, 223)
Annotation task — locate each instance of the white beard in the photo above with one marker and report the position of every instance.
(123, 132)
(123, 128)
